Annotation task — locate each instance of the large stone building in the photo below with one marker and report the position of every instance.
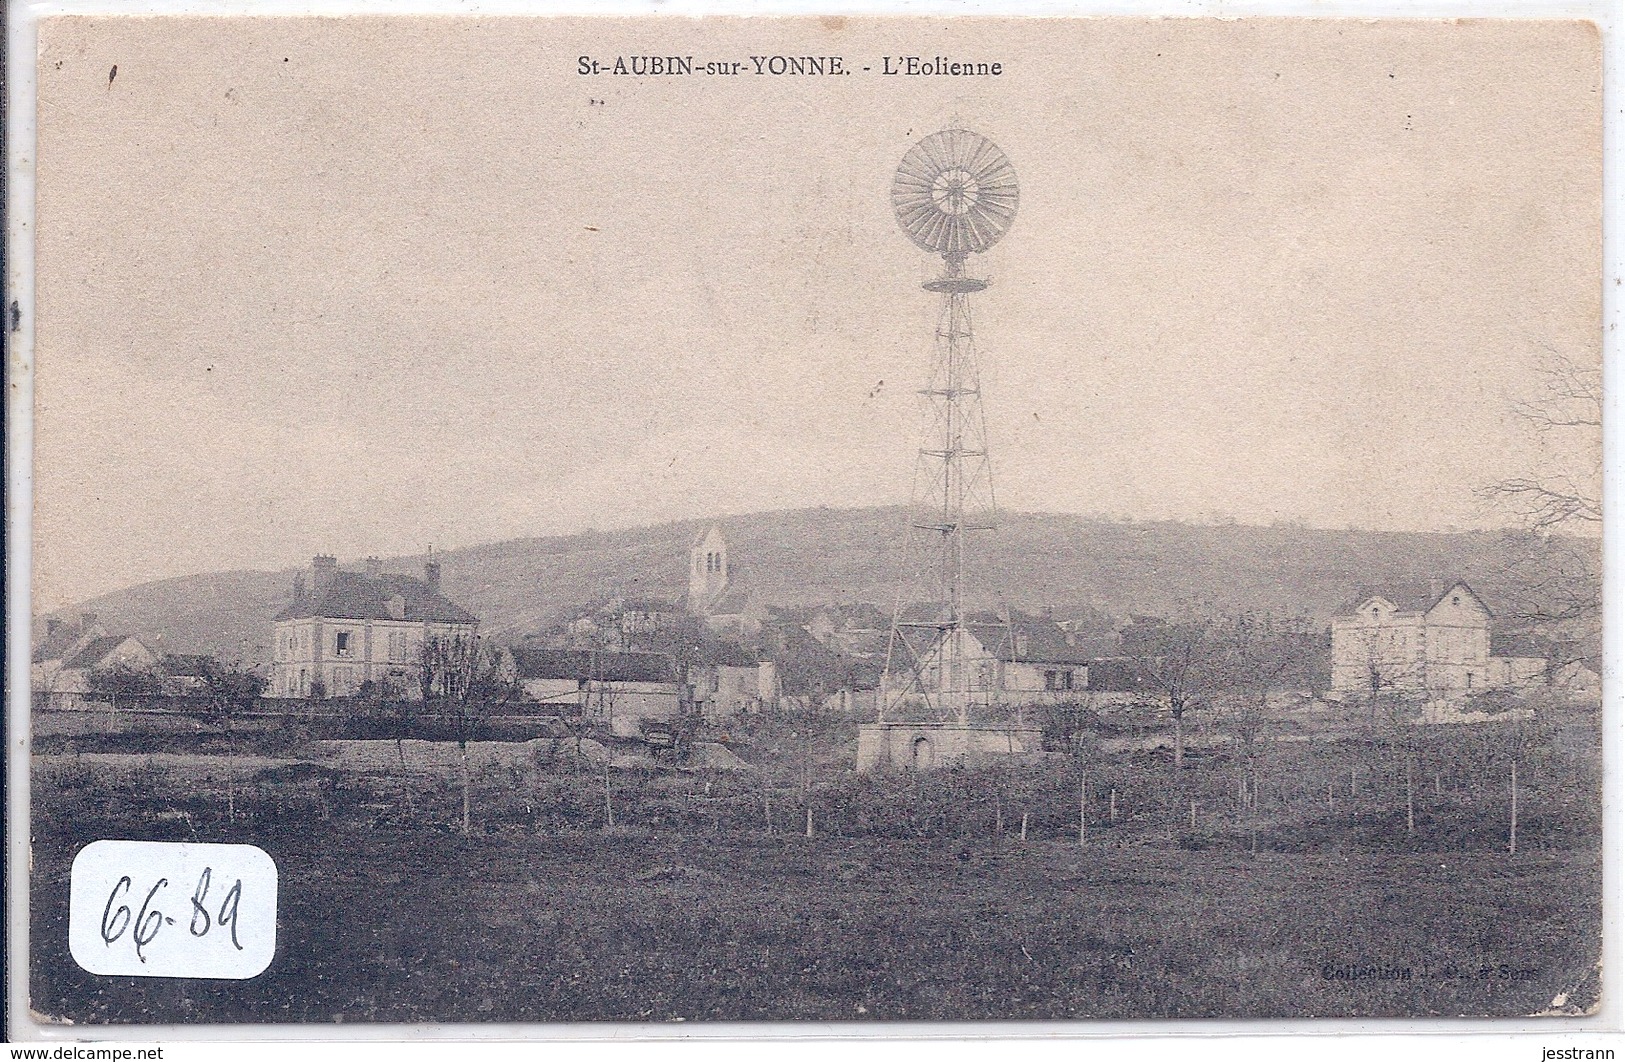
(1433, 641)
(349, 631)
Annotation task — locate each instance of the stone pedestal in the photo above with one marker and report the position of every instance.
(922, 746)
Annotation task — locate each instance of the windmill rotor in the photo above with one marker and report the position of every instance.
(955, 193)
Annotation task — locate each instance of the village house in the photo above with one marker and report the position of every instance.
(349, 631)
(627, 624)
(852, 630)
(1024, 662)
(1433, 641)
(621, 690)
(63, 663)
(733, 682)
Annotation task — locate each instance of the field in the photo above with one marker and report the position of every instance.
(916, 898)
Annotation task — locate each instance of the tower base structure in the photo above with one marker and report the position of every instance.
(922, 746)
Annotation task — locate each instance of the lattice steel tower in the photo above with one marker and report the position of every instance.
(955, 195)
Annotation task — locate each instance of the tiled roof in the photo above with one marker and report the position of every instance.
(1034, 643)
(735, 601)
(359, 597)
(590, 664)
(59, 645)
(94, 651)
(1409, 597)
(727, 654)
(650, 605)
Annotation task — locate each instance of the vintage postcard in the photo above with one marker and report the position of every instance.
(848, 520)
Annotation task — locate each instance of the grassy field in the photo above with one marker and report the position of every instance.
(914, 900)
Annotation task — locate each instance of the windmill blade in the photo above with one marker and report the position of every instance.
(955, 193)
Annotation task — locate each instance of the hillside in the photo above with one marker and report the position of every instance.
(816, 556)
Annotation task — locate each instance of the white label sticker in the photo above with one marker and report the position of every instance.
(163, 909)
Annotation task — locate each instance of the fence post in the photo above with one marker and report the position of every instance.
(1410, 795)
(1083, 804)
(1512, 836)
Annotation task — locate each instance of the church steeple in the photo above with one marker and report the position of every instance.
(707, 570)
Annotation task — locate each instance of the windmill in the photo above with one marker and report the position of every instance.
(955, 195)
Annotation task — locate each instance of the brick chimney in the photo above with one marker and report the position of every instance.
(87, 620)
(431, 575)
(324, 573)
(299, 586)
(373, 567)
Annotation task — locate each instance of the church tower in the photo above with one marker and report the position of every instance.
(707, 570)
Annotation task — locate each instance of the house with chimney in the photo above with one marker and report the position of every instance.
(1435, 640)
(64, 660)
(346, 632)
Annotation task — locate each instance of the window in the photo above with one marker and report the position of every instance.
(1056, 681)
(1456, 600)
(397, 645)
(1373, 613)
(341, 643)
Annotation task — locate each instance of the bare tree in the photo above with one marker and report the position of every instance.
(1566, 421)
(1552, 579)
(1178, 660)
(231, 687)
(462, 677)
(123, 680)
(1257, 655)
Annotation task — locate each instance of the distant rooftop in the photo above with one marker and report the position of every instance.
(581, 665)
(361, 597)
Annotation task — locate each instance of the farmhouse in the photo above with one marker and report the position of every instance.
(621, 690)
(345, 631)
(1434, 640)
(1024, 662)
(61, 666)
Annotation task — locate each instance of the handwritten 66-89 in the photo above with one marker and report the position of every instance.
(161, 909)
(149, 920)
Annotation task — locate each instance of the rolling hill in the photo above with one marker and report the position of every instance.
(1070, 564)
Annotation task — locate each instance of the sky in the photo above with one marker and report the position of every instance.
(364, 285)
